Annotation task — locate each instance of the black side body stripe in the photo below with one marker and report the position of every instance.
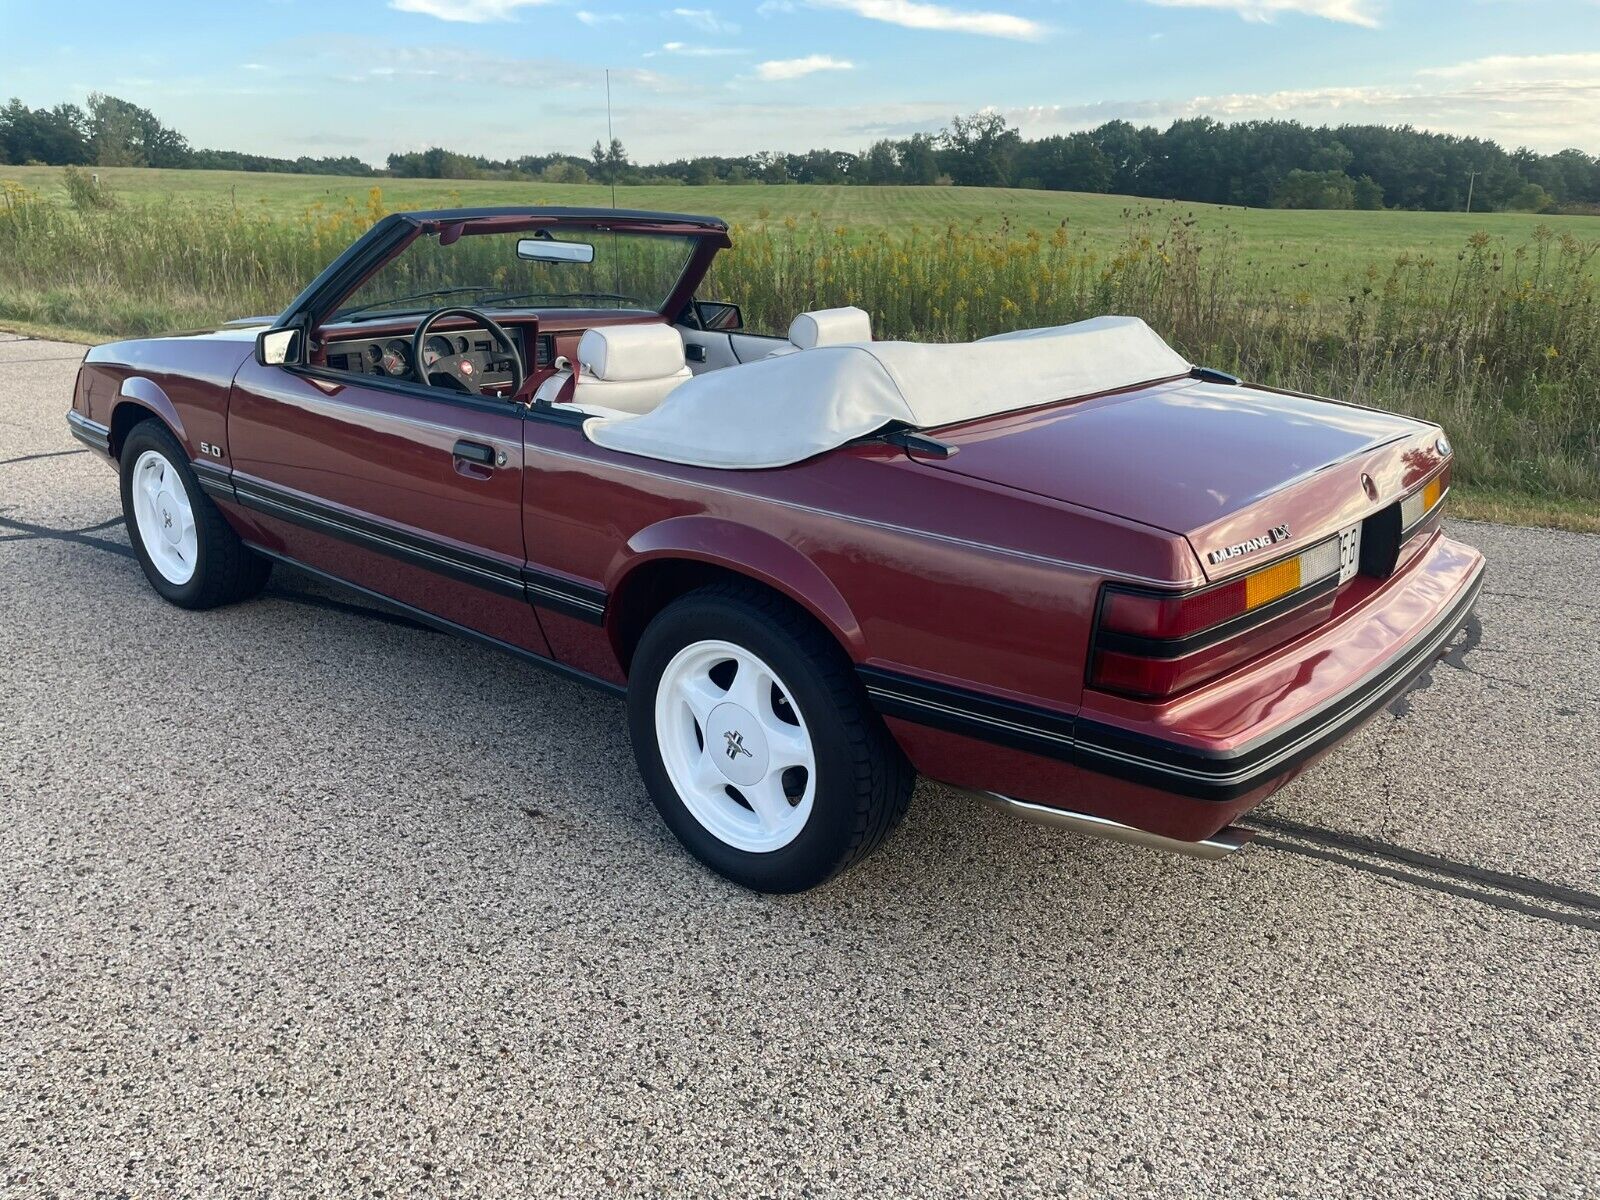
(480, 570)
(214, 480)
(563, 595)
(541, 588)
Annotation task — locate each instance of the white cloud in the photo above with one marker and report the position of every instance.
(1546, 101)
(474, 12)
(795, 68)
(446, 66)
(686, 50)
(913, 14)
(1526, 66)
(593, 19)
(705, 20)
(1349, 12)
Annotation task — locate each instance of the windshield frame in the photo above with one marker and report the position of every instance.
(500, 297)
(394, 234)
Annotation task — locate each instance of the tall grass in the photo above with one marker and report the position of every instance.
(1499, 344)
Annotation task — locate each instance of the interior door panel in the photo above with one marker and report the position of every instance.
(726, 349)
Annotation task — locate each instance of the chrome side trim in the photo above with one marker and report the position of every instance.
(1219, 845)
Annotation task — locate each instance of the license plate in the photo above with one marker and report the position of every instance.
(1349, 552)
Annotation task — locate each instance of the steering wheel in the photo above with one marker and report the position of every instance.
(458, 370)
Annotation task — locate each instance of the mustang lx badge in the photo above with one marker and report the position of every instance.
(736, 744)
(1278, 533)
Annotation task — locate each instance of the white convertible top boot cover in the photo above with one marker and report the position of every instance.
(782, 410)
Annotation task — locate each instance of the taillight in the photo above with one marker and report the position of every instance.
(1151, 643)
(1416, 507)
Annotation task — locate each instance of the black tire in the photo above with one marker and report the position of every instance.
(864, 782)
(225, 569)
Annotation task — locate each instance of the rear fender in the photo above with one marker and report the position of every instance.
(741, 550)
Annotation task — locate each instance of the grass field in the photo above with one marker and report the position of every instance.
(1299, 251)
(1486, 323)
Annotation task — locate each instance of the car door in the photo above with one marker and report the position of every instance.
(415, 494)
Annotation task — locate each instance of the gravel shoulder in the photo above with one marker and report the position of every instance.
(298, 898)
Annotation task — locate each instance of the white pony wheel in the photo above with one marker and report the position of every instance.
(164, 517)
(735, 746)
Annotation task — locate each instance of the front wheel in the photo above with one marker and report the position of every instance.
(756, 742)
(189, 552)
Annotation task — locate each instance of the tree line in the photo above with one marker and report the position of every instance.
(1257, 163)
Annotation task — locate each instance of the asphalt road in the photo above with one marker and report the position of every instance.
(296, 898)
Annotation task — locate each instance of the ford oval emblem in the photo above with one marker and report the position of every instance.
(1370, 488)
(1442, 445)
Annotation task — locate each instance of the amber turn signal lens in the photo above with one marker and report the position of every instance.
(1424, 500)
(1263, 587)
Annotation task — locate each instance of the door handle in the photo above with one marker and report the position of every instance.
(474, 452)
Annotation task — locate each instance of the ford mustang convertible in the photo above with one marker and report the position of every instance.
(1065, 569)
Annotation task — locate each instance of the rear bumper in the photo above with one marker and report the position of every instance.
(1218, 774)
(1187, 770)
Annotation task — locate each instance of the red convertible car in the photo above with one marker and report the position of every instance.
(1062, 568)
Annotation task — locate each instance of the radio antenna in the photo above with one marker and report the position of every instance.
(611, 141)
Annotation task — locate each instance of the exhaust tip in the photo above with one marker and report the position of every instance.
(1227, 840)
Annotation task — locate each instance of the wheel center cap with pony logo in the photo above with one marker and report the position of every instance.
(737, 744)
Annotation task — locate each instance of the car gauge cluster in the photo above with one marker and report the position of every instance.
(391, 358)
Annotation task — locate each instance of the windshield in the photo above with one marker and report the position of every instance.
(485, 270)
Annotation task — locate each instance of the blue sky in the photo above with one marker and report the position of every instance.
(505, 77)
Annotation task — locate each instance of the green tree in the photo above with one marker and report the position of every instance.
(979, 149)
(125, 135)
(1065, 164)
(1367, 194)
(881, 165)
(1530, 197)
(1314, 189)
(919, 163)
(610, 161)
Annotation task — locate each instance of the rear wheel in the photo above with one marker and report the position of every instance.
(189, 552)
(756, 742)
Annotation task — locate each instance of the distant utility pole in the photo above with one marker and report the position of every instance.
(1471, 176)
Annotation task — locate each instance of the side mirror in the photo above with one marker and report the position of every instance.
(274, 347)
(550, 250)
(718, 316)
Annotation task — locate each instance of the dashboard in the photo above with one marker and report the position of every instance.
(391, 357)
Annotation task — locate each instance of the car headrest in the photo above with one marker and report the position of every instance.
(628, 353)
(830, 327)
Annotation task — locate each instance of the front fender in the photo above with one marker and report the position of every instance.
(742, 550)
(146, 393)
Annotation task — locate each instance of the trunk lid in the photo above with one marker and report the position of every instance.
(1223, 465)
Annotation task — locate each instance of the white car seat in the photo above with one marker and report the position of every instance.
(626, 369)
(827, 327)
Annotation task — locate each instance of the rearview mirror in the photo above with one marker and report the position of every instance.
(274, 347)
(549, 250)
